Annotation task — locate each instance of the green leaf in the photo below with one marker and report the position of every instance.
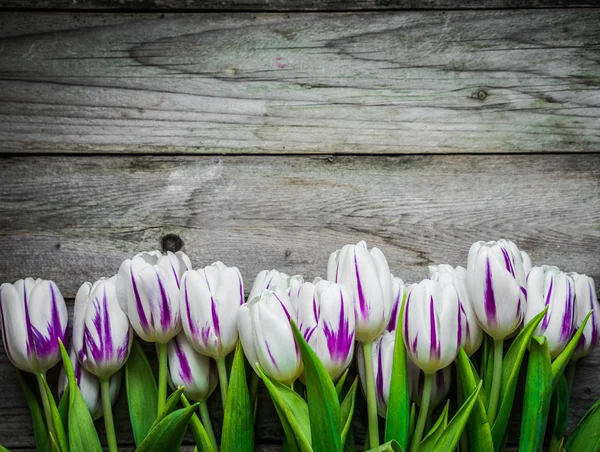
(560, 362)
(398, 411)
(82, 433)
(61, 440)
(63, 407)
(451, 436)
(293, 413)
(412, 422)
(168, 433)
(487, 364)
(238, 420)
(479, 431)
(323, 404)
(142, 393)
(510, 373)
(559, 411)
(390, 446)
(339, 386)
(538, 392)
(347, 410)
(586, 436)
(40, 432)
(437, 430)
(170, 406)
(4, 449)
(203, 441)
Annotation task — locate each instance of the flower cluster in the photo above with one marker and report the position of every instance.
(197, 316)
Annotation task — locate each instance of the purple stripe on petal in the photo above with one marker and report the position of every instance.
(283, 306)
(77, 371)
(362, 303)
(271, 355)
(340, 342)
(174, 274)
(594, 339)
(460, 317)
(165, 309)
(508, 262)
(138, 302)
(434, 343)
(191, 324)
(489, 298)
(28, 326)
(241, 289)
(107, 340)
(213, 308)
(309, 332)
(405, 321)
(546, 320)
(315, 309)
(414, 345)
(205, 333)
(394, 316)
(379, 380)
(566, 327)
(185, 372)
(124, 348)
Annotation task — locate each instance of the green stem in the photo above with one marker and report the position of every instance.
(108, 417)
(162, 377)
(460, 398)
(496, 381)
(222, 370)
(371, 396)
(254, 386)
(423, 413)
(205, 417)
(41, 377)
(570, 374)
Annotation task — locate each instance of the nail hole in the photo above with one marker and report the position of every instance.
(171, 242)
(288, 253)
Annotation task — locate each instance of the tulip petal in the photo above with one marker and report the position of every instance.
(12, 312)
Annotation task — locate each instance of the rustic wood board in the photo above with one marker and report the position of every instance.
(397, 82)
(283, 5)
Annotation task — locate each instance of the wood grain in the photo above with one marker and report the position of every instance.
(322, 83)
(76, 218)
(283, 5)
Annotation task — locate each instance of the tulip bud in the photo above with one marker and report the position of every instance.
(366, 274)
(585, 301)
(432, 325)
(33, 317)
(89, 386)
(526, 262)
(472, 334)
(382, 355)
(548, 286)
(439, 391)
(148, 291)
(326, 320)
(276, 281)
(210, 299)
(194, 371)
(102, 336)
(267, 336)
(399, 292)
(496, 286)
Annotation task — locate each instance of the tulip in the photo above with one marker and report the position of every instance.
(148, 291)
(274, 280)
(548, 286)
(89, 386)
(585, 301)
(472, 334)
(267, 337)
(432, 331)
(441, 384)
(399, 292)
(496, 285)
(210, 299)
(526, 262)
(33, 318)
(326, 320)
(382, 356)
(102, 336)
(367, 276)
(195, 372)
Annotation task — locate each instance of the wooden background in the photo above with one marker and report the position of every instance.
(269, 133)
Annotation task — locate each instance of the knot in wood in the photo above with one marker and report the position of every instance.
(172, 243)
(480, 94)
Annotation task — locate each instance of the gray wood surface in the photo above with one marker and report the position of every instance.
(404, 82)
(74, 218)
(284, 5)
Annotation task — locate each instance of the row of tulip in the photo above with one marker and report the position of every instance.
(195, 318)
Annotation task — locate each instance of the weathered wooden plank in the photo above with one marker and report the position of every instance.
(283, 5)
(411, 82)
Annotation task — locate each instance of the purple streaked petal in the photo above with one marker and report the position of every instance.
(283, 306)
(414, 345)
(339, 343)
(489, 298)
(271, 355)
(138, 303)
(364, 308)
(461, 310)
(394, 315)
(123, 350)
(241, 289)
(185, 372)
(507, 261)
(566, 327)
(546, 320)
(594, 339)
(434, 344)
(379, 380)
(108, 342)
(191, 323)
(405, 321)
(165, 308)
